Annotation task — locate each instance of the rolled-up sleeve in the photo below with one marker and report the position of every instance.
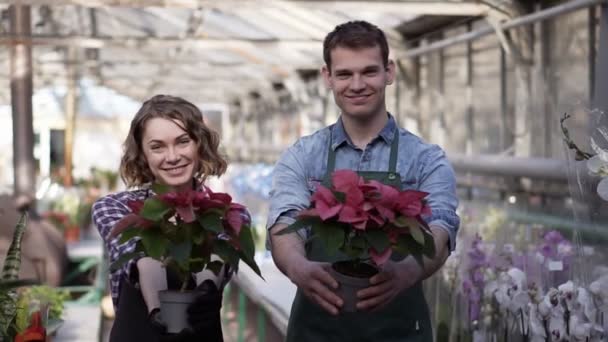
(438, 179)
(289, 193)
(105, 213)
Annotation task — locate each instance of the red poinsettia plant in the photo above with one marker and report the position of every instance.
(367, 220)
(184, 229)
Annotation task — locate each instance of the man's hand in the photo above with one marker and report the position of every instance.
(394, 278)
(315, 281)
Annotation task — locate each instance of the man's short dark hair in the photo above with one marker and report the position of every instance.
(355, 35)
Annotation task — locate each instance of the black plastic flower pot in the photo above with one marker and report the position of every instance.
(351, 276)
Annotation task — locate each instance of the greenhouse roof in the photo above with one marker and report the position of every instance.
(211, 51)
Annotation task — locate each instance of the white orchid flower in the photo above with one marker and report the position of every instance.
(557, 326)
(518, 277)
(585, 301)
(599, 288)
(549, 303)
(536, 331)
(579, 330)
(598, 165)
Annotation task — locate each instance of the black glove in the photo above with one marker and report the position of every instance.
(204, 313)
(203, 318)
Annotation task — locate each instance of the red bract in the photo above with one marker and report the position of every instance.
(135, 206)
(342, 180)
(380, 258)
(382, 198)
(355, 216)
(130, 220)
(325, 202)
(178, 199)
(182, 201)
(236, 217)
(410, 203)
(212, 200)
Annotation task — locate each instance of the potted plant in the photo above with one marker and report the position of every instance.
(367, 222)
(63, 222)
(187, 232)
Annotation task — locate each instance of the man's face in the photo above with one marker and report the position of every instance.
(358, 79)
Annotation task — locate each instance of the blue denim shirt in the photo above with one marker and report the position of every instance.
(422, 167)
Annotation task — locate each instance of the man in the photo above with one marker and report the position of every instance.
(365, 138)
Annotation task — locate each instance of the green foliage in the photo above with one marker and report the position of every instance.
(211, 224)
(10, 272)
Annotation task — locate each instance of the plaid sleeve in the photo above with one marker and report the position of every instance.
(106, 212)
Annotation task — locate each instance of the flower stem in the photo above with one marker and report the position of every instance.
(185, 282)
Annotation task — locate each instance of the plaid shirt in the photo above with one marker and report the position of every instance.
(106, 212)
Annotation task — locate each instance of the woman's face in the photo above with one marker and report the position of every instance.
(170, 152)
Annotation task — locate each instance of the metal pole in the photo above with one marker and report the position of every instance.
(523, 20)
(498, 165)
(592, 28)
(21, 101)
(600, 100)
(71, 100)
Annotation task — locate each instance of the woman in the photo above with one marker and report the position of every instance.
(168, 143)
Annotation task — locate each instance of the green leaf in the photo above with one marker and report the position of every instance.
(225, 251)
(378, 240)
(122, 260)
(154, 243)
(211, 222)
(331, 234)
(246, 241)
(429, 245)
(160, 189)
(128, 234)
(251, 263)
(301, 223)
(154, 209)
(340, 196)
(417, 233)
(415, 249)
(181, 253)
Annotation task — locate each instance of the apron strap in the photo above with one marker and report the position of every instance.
(392, 163)
(331, 154)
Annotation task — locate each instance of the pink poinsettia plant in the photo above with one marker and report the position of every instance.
(184, 229)
(367, 220)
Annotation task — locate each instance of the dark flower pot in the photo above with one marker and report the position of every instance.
(351, 277)
(173, 306)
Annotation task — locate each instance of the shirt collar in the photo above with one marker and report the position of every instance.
(339, 136)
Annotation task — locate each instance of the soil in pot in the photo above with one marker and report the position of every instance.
(352, 277)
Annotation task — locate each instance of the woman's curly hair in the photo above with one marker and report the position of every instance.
(134, 169)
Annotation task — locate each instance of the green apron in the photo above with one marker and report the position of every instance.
(406, 318)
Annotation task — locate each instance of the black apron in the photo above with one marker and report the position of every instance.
(132, 324)
(405, 319)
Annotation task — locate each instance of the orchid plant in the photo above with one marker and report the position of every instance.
(184, 229)
(502, 300)
(597, 163)
(367, 220)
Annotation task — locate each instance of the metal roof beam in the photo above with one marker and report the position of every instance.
(410, 7)
(139, 42)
